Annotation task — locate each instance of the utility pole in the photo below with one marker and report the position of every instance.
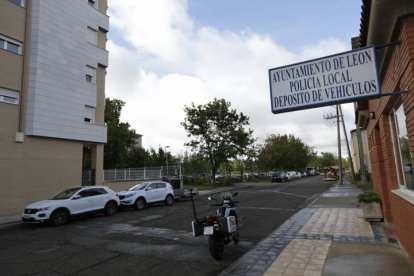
(328, 119)
(347, 146)
(341, 181)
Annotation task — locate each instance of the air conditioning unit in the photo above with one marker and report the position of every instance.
(19, 137)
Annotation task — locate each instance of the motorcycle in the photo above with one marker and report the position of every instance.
(222, 228)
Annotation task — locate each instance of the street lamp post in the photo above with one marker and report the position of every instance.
(166, 158)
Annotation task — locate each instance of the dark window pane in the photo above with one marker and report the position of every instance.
(17, 2)
(161, 185)
(13, 47)
(9, 99)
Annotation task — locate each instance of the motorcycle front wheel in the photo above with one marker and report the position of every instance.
(216, 246)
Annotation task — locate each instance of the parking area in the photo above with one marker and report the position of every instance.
(154, 240)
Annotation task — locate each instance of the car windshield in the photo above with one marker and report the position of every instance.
(138, 187)
(66, 193)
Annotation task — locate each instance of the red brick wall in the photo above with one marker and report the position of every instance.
(395, 76)
(403, 221)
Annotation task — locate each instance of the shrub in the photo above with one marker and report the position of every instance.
(368, 197)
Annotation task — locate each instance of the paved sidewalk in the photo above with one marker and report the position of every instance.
(329, 237)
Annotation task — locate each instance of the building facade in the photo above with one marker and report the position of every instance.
(359, 149)
(53, 61)
(390, 123)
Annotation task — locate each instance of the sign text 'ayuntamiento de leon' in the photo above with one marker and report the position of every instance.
(340, 78)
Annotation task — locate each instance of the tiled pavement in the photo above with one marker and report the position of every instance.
(300, 245)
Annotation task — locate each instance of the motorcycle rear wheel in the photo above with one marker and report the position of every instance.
(216, 246)
(236, 238)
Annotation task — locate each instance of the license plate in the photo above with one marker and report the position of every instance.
(208, 230)
(27, 216)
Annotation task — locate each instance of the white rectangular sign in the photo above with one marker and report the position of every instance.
(340, 78)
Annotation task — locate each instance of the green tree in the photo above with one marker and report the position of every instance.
(284, 152)
(252, 153)
(217, 132)
(120, 136)
(193, 163)
(137, 157)
(327, 159)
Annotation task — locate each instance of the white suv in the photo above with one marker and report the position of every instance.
(147, 192)
(70, 202)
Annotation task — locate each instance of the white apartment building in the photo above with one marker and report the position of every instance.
(53, 61)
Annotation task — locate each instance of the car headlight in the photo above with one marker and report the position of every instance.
(44, 208)
(129, 195)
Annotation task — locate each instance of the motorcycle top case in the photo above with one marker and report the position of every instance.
(198, 227)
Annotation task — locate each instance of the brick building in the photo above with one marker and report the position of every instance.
(53, 60)
(390, 124)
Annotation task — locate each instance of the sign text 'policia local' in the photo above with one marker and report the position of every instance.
(340, 78)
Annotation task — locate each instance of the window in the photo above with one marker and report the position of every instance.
(161, 185)
(152, 186)
(90, 74)
(18, 2)
(401, 146)
(9, 96)
(92, 36)
(89, 114)
(10, 45)
(93, 3)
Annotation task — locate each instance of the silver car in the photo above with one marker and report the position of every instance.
(139, 195)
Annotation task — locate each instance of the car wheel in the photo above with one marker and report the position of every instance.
(169, 200)
(59, 217)
(139, 204)
(110, 208)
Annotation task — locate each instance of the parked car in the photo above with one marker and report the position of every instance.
(280, 177)
(312, 171)
(71, 202)
(292, 175)
(199, 178)
(139, 195)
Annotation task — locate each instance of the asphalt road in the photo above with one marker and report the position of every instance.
(154, 241)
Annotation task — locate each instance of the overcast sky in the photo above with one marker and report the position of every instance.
(166, 54)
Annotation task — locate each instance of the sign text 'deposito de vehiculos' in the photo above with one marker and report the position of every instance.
(340, 78)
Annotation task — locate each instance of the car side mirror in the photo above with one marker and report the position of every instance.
(76, 197)
(148, 189)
